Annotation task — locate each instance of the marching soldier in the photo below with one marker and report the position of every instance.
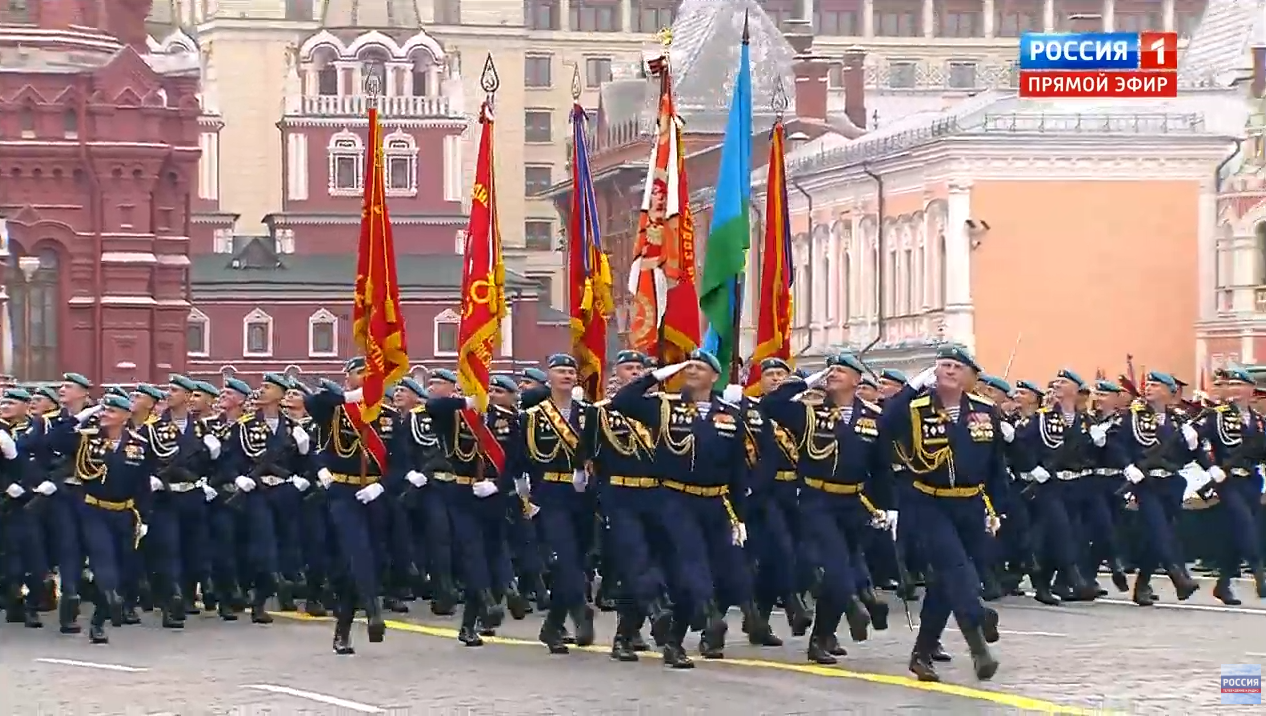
(25, 482)
(360, 458)
(225, 510)
(428, 511)
(314, 534)
(841, 457)
(1237, 435)
(702, 462)
(950, 441)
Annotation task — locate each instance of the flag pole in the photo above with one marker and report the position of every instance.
(740, 284)
(373, 88)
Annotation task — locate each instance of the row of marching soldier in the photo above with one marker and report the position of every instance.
(242, 499)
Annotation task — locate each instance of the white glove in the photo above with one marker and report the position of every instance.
(1008, 431)
(816, 379)
(533, 510)
(992, 524)
(1133, 474)
(155, 484)
(213, 445)
(301, 483)
(1191, 436)
(738, 534)
(484, 488)
(415, 478)
(209, 492)
(1040, 474)
(522, 486)
(1099, 434)
(325, 477)
(1217, 474)
(925, 379)
(890, 520)
(302, 441)
(471, 402)
(579, 479)
(46, 488)
(732, 393)
(353, 396)
(142, 529)
(244, 483)
(668, 371)
(7, 446)
(15, 491)
(83, 415)
(577, 393)
(369, 493)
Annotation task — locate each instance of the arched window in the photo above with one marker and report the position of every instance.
(402, 164)
(34, 312)
(347, 165)
(423, 73)
(198, 334)
(322, 334)
(445, 336)
(257, 335)
(326, 72)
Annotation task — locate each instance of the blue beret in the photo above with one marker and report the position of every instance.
(183, 382)
(997, 383)
(202, 386)
(1107, 386)
(707, 358)
(19, 394)
(151, 391)
(1236, 374)
(1071, 375)
(117, 402)
(868, 379)
(504, 382)
(354, 364)
(1029, 386)
(775, 364)
(47, 391)
(301, 387)
(894, 375)
(238, 386)
(631, 357)
(445, 375)
(1164, 379)
(536, 374)
(78, 379)
(1179, 381)
(279, 380)
(846, 360)
(414, 387)
(118, 390)
(800, 373)
(327, 384)
(561, 360)
(958, 354)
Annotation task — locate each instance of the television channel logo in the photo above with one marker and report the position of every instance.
(1241, 684)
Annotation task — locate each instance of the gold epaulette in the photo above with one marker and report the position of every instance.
(418, 409)
(1043, 409)
(980, 399)
(244, 419)
(137, 435)
(1222, 407)
(1138, 404)
(52, 414)
(88, 430)
(921, 402)
(532, 410)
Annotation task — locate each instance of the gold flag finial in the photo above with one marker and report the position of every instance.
(779, 100)
(576, 87)
(665, 36)
(372, 82)
(488, 79)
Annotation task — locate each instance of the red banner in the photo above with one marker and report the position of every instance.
(773, 314)
(377, 322)
(665, 317)
(483, 293)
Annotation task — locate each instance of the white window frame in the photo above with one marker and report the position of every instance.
(256, 316)
(446, 317)
(346, 145)
(322, 317)
(400, 145)
(196, 316)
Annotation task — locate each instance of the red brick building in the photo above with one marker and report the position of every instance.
(705, 57)
(98, 154)
(283, 300)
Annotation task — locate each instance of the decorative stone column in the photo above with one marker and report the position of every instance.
(959, 318)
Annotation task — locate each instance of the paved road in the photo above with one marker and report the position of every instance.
(1085, 656)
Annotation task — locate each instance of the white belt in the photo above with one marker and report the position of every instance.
(1070, 474)
(180, 487)
(1159, 473)
(1107, 472)
(272, 480)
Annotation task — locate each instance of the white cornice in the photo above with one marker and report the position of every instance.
(291, 122)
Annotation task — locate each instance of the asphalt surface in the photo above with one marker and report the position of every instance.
(1078, 658)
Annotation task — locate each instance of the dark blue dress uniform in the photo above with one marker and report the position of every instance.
(21, 472)
(954, 455)
(224, 510)
(627, 485)
(1064, 451)
(478, 522)
(354, 489)
(701, 457)
(432, 532)
(1237, 436)
(1155, 446)
(115, 470)
(842, 456)
(63, 518)
(1097, 503)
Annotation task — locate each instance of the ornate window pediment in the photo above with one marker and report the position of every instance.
(257, 334)
(198, 334)
(346, 164)
(322, 334)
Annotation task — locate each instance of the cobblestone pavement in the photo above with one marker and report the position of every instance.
(1085, 657)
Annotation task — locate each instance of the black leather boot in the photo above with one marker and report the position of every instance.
(259, 602)
(583, 617)
(921, 665)
(983, 661)
(877, 609)
(96, 625)
(1184, 585)
(375, 623)
(31, 613)
(1042, 592)
(621, 645)
(660, 616)
(1118, 575)
(820, 641)
(675, 655)
(286, 595)
(798, 617)
(1143, 594)
(68, 614)
(712, 638)
(190, 592)
(173, 610)
(224, 600)
(444, 598)
(858, 619)
(1259, 579)
(551, 634)
(493, 613)
(759, 632)
(517, 604)
(1223, 592)
(343, 630)
(468, 632)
